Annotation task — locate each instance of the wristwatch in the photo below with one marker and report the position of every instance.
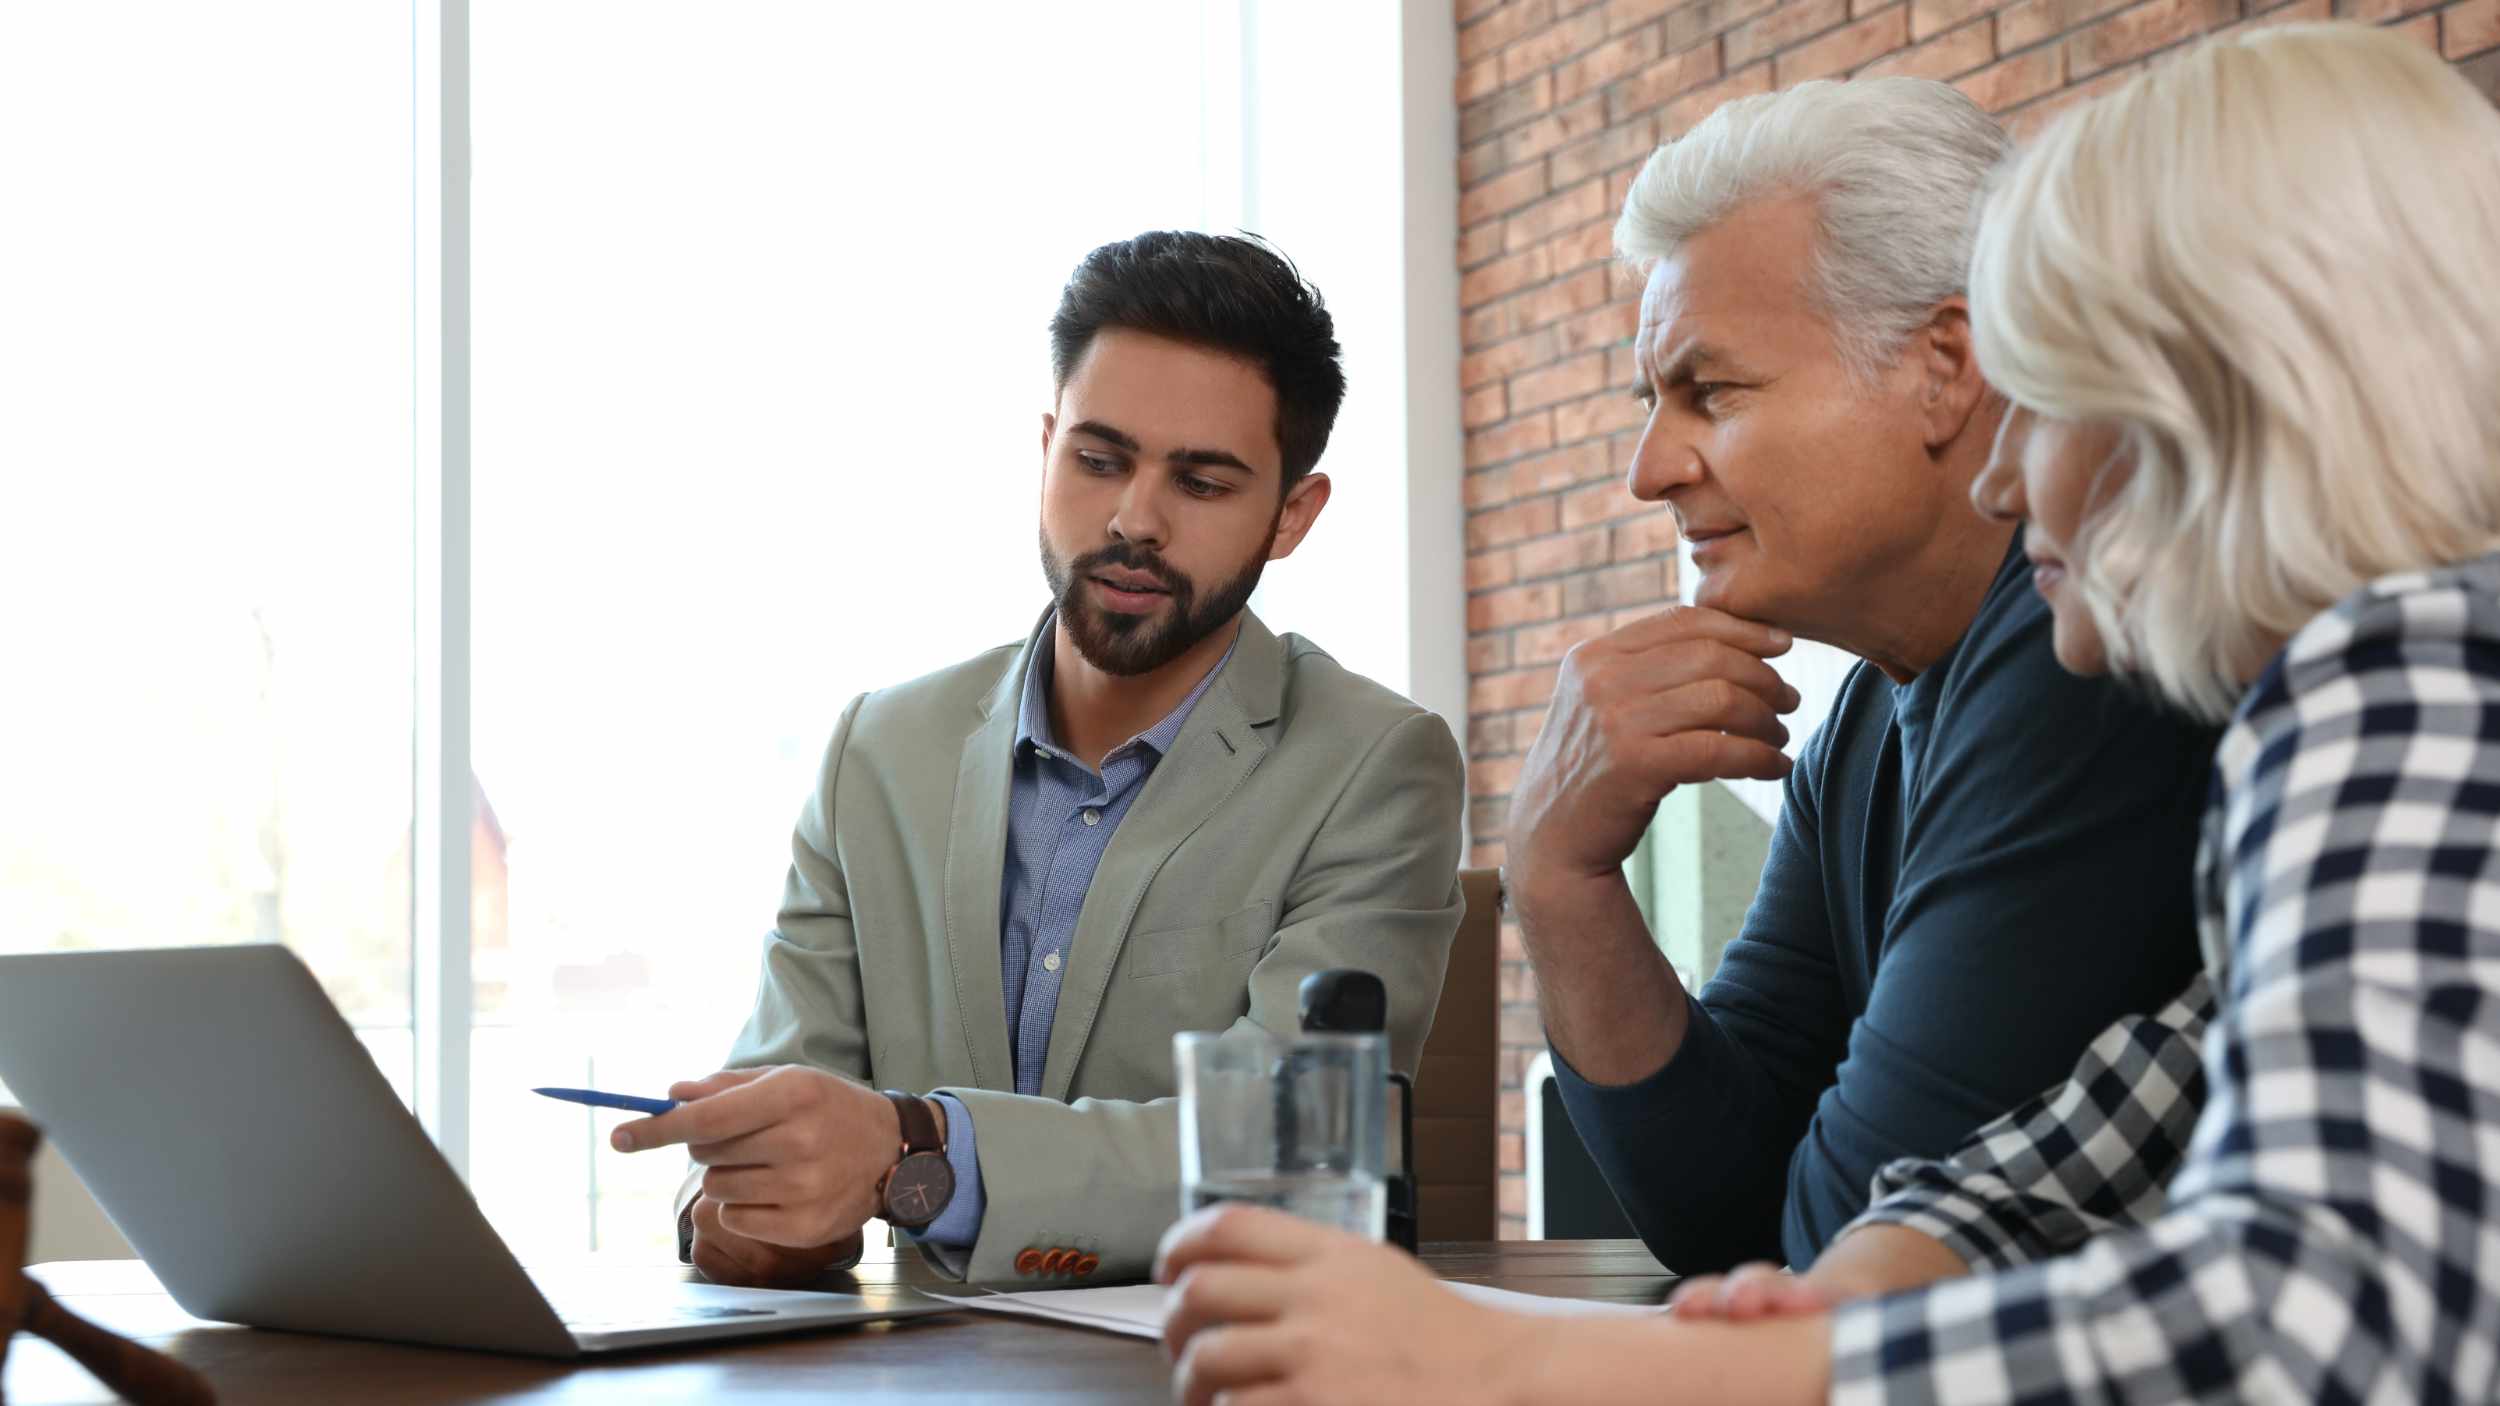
(917, 1187)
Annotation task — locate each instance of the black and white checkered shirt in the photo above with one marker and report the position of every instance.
(2307, 1209)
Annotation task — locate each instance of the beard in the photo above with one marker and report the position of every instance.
(1126, 645)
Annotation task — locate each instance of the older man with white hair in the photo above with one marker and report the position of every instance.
(2258, 465)
(1980, 861)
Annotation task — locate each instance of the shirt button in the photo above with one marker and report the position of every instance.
(1093, 817)
(1050, 962)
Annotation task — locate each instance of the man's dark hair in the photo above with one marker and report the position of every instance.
(1229, 293)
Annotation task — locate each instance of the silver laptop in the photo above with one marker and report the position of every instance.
(238, 1134)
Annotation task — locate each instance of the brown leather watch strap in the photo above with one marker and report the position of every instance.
(920, 1125)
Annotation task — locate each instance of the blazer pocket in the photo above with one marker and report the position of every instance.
(1186, 949)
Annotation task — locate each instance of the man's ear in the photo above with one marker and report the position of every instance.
(1293, 522)
(1049, 423)
(1950, 388)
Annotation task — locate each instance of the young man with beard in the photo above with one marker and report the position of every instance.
(1018, 877)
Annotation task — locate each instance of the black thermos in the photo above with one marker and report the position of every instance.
(1344, 1001)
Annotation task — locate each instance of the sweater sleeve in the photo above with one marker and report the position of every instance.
(2095, 1154)
(1697, 1153)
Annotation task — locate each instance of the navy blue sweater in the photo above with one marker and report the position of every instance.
(1971, 876)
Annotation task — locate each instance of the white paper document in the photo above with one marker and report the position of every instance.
(1548, 1306)
(1134, 1309)
(1137, 1309)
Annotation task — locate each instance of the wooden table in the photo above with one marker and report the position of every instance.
(956, 1357)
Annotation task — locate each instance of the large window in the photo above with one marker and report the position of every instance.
(205, 436)
(566, 518)
(759, 363)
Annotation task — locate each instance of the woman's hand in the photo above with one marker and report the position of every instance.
(1862, 1263)
(1270, 1308)
(1747, 1292)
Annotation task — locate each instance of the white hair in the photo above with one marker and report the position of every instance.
(2273, 264)
(1895, 165)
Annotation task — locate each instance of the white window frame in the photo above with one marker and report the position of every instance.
(442, 801)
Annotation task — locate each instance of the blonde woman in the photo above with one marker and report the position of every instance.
(2247, 310)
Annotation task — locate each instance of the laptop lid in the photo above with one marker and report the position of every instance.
(220, 1109)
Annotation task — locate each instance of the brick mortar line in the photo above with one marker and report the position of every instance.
(1657, 22)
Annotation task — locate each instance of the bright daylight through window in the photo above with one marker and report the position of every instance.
(757, 348)
(758, 390)
(205, 418)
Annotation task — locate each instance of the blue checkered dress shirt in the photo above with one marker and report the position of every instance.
(1061, 815)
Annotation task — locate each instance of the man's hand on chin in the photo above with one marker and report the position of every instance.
(1677, 697)
(726, 1257)
(1681, 696)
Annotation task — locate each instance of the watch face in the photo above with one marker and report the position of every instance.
(918, 1188)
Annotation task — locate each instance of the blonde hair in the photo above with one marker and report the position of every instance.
(2273, 264)
(1895, 165)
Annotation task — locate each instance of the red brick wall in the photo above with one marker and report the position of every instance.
(1559, 102)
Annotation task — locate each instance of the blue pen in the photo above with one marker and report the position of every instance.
(596, 1099)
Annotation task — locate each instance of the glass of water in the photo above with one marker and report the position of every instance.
(1297, 1122)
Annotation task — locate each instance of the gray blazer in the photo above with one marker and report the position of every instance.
(1305, 818)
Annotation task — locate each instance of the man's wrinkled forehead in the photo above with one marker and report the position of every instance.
(1674, 321)
(1663, 288)
(1739, 290)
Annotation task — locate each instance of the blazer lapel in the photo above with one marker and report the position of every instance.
(976, 863)
(1217, 749)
